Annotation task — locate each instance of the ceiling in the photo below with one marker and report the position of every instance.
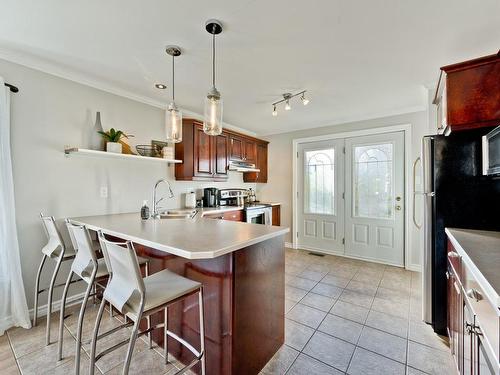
(357, 59)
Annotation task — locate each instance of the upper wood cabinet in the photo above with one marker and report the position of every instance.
(260, 163)
(206, 157)
(468, 95)
(242, 148)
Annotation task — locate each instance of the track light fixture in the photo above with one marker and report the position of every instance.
(286, 99)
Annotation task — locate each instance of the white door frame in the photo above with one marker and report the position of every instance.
(406, 128)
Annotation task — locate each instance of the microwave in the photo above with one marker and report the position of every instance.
(491, 152)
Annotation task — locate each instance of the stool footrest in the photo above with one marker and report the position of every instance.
(185, 343)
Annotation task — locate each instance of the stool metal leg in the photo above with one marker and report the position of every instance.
(61, 316)
(165, 336)
(202, 331)
(150, 334)
(131, 345)
(94, 336)
(89, 289)
(49, 299)
(37, 282)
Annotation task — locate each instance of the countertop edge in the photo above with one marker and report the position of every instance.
(483, 282)
(185, 253)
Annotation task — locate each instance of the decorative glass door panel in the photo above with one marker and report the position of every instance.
(319, 181)
(373, 181)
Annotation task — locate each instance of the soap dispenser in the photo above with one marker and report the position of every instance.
(145, 211)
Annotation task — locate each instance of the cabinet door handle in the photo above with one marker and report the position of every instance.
(473, 293)
(448, 276)
(453, 254)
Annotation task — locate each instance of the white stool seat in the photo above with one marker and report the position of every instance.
(161, 288)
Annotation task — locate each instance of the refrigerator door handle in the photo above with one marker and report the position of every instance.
(415, 192)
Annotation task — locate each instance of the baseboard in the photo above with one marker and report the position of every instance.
(414, 267)
(289, 245)
(56, 305)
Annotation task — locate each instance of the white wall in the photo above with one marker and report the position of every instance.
(279, 186)
(49, 113)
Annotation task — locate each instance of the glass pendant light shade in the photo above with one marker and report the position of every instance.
(212, 123)
(173, 116)
(173, 124)
(212, 119)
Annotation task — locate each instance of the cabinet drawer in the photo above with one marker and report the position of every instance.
(233, 215)
(454, 259)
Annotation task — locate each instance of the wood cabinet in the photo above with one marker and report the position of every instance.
(468, 95)
(206, 157)
(242, 148)
(473, 322)
(236, 215)
(260, 163)
(276, 215)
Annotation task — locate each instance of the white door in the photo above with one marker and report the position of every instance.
(374, 192)
(320, 207)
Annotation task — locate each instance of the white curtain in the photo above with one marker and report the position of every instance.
(13, 306)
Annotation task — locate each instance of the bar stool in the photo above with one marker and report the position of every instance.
(55, 250)
(138, 297)
(90, 269)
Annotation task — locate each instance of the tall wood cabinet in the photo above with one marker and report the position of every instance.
(206, 157)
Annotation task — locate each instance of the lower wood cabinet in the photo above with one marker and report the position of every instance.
(472, 320)
(276, 215)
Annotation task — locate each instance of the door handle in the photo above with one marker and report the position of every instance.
(415, 163)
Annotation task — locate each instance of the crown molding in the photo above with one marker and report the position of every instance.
(69, 74)
(352, 119)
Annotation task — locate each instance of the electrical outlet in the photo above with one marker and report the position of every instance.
(104, 192)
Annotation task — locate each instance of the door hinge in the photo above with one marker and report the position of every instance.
(343, 241)
(297, 194)
(297, 154)
(297, 234)
(343, 195)
(343, 150)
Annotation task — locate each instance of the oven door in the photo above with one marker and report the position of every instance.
(259, 216)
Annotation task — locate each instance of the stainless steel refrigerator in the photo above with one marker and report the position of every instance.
(456, 194)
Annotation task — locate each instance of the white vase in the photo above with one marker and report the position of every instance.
(114, 147)
(96, 141)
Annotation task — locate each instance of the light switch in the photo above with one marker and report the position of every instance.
(104, 192)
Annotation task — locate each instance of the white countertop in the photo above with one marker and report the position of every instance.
(481, 252)
(198, 238)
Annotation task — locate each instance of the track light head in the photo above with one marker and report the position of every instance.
(275, 112)
(305, 101)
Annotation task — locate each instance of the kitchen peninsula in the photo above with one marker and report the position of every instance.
(241, 267)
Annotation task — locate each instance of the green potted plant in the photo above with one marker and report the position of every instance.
(112, 138)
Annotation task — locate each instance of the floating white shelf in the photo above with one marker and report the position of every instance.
(85, 152)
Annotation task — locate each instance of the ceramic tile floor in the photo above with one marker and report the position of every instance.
(342, 316)
(346, 316)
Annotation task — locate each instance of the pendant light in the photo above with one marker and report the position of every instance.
(212, 122)
(173, 116)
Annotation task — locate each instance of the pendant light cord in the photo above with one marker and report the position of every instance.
(173, 78)
(213, 59)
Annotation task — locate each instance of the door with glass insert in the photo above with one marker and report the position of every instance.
(374, 192)
(320, 205)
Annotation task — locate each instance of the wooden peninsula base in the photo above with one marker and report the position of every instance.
(244, 297)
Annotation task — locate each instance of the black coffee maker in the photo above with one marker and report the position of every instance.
(210, 197)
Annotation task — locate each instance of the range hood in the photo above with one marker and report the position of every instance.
(241, 166)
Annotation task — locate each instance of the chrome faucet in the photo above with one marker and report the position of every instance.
(156, 214)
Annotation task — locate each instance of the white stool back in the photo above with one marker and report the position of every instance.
(125, 272)
(55, 245)
(86, 259)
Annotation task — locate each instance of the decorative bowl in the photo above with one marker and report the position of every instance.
(146, 150)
